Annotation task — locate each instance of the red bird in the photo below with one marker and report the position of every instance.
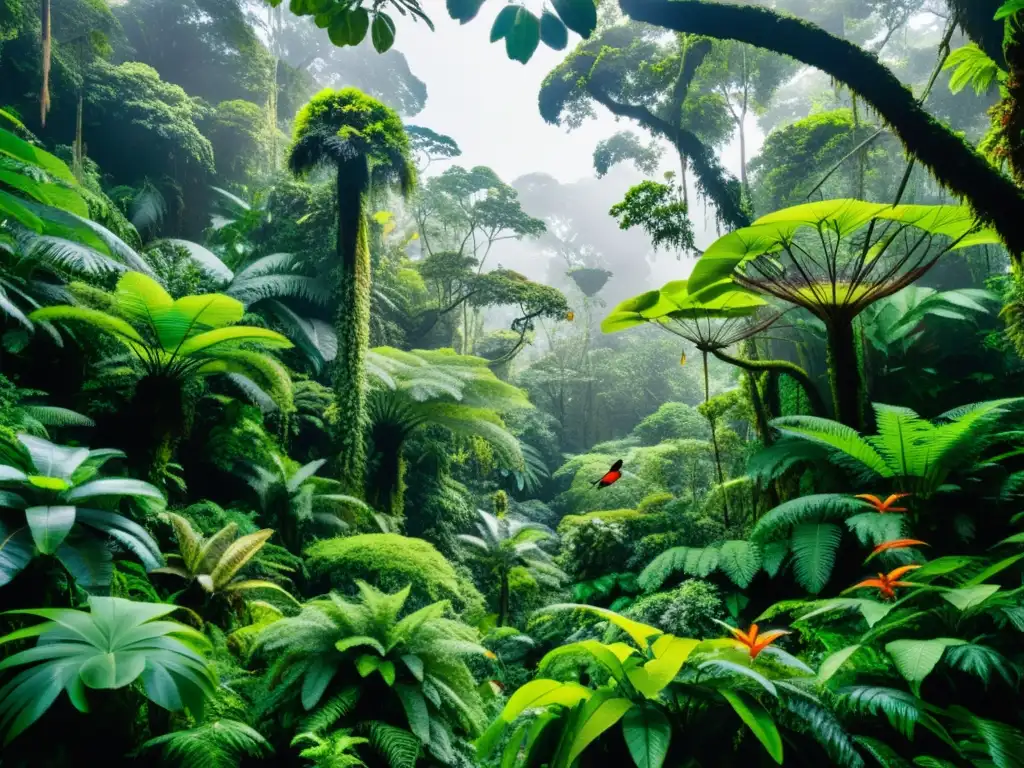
(610, 476)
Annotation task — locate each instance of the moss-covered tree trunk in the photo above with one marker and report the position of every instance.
(351, 285)
(844, 373)
(953, 162)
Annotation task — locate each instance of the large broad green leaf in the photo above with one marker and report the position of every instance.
(141, 298)
(670, 653)
(600, 712)
(114, 486)
(15, 550)
(94, 317)
(970, 597)
(915, 659)
(637, 311)
(579, 15)
(542, 693)
(524, 36)
(46, 193)
(49, 526)
(16, 209)
(603, 654)
(221, 337)
(758, 719)
(647, 732)
(12, 146)
(834, 662)
(723, 256)
(52, 460)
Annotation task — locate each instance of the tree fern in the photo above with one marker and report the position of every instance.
(220, 744)
(400, 748)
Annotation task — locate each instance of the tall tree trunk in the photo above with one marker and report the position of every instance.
(844, 373)
(352, 323)
(953, 162)
(714, 443)
(78, 150)
(683, 164)
(46, 40)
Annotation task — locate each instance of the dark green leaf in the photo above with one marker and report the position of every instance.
(503, 22)
(579, 15)
(647, 732)
(524, 37)
(552, 31)
(383, 33)
(464, 11)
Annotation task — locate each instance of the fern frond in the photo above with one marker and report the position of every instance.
(329, 712)
(220, 744)
(398, 746)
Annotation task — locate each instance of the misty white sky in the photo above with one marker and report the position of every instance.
(488, 104)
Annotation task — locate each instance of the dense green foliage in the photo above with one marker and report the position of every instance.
(350, 512)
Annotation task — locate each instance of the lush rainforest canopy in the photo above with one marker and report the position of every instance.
(322, 446)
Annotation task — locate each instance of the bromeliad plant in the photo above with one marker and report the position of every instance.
(215, 564)
(174, 342)
(835, 259)
(55, 503)
(408, 673)
(664, 690)
(113, 645)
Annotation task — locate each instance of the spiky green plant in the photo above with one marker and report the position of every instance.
(215, 563)
(364, 143)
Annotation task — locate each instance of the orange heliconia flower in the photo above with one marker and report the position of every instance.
(896, 544)
(754, 641)
(884, 506)
(886, 583)
(490, 655)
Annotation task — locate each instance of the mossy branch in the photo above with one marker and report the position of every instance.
(714, 180)
(792, 370)
(954, 163)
